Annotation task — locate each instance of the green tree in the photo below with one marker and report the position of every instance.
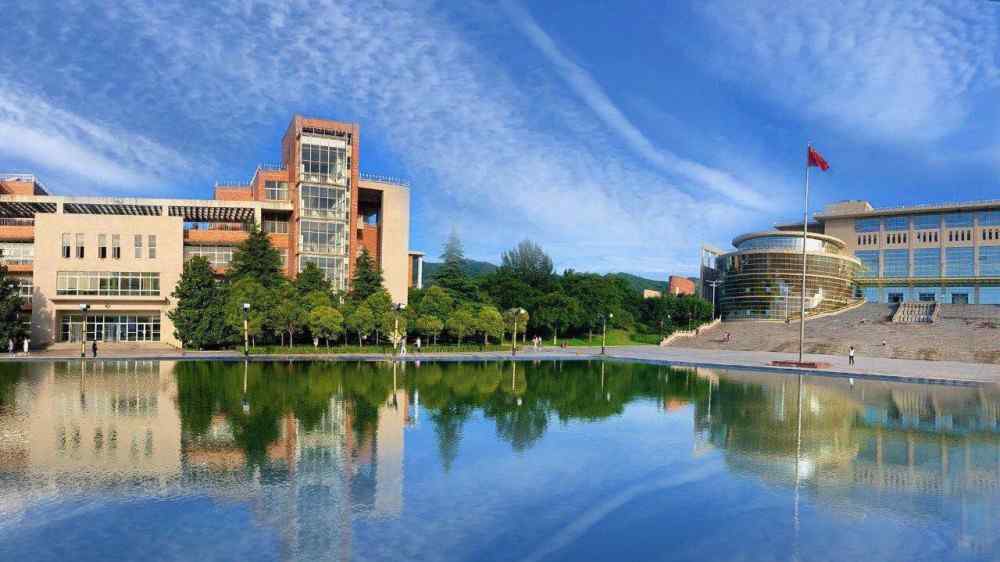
(312, 279)
(288, 313)
(380, 304)
(325, 322)
(361, 321)
(11, 327)
(436, 302)
(261, 302)
(367, 279)
(490, 323)
(256, 259)
(461, 322)
(430, 326)
(529, 263)
(199, 317)
(518, 318)
(451, 275)
(554, 311)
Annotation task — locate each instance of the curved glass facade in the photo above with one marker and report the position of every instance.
(767, 285)
(787, 243)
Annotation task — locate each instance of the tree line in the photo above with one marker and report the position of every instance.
(524, 293)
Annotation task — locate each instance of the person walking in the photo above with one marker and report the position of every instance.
(418, 344)
(850, 356)
(26, 343)
(93, 348)
(402, 348)
(10, 347)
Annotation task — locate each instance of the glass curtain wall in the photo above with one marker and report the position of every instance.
(324, 207)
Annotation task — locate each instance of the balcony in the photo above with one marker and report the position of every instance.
(225, 234)
(17, 229)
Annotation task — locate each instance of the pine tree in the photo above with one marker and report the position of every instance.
(311, 279)
(199, 318)
(11, 327)
(256, 259)
(367, 278)
(451, 275)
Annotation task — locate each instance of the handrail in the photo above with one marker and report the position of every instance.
(384, 179)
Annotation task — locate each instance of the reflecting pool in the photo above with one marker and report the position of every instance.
(151, 460)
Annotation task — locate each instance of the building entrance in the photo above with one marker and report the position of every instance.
(111, 327)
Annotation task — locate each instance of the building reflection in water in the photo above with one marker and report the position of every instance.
(867, 439)
(313, 447)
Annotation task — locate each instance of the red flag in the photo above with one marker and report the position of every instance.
(815, 159)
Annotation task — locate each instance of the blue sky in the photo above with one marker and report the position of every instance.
(619, 135)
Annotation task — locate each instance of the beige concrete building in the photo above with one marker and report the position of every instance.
(104, 268)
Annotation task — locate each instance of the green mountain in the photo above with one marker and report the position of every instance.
(472, 268)
(641, 283)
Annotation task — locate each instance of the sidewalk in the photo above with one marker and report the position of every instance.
(866, 367)
(914, 370)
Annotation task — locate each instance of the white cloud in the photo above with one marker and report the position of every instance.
(901, 72)
(55, 140)
(466, 131)
(595, 97)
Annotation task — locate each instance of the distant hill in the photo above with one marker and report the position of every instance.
(641, 283)
(475, 268)
(472, 268)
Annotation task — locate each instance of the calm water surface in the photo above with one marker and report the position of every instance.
(547, 461)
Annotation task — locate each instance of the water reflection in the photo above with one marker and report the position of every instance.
(314, 450)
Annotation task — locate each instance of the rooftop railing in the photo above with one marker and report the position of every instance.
(384, 179)
(224, 226)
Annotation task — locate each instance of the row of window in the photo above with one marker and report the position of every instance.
(325, 163)
(78, 242)
(275, 226)
(276, 190)
(926, 236)
(931, 221)
(927, 262)
(959, 235)
(324, 202)
(108, 283)
(867, 239)
(17, 252)
(896, 238)
(946, 295)
(216, 255)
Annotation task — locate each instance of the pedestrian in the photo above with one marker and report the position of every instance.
(93, 348)
(402, 348)
(850, 356)
(418, 344)
(26, 342)
(10, 346)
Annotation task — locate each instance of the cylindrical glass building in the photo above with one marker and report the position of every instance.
(762, 278)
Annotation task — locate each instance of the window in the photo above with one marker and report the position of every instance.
(108, 283)
(896, 263)
(66, 246)
(958, 262)
(275, 226)
(989, 218)
(926, 222)
(952, 220)
(869, 263)
(324, 202)
(897, 223)
(927, 262)
(334, 268)
(322, 237)
(116, 247)
(102, 246)
(218, 256)
(79, 246)
(138, 246)
(152, 246)
(276, 190)
(326, 164)
(867, 225)
(17, 252)
(111, 327)
(989, 261)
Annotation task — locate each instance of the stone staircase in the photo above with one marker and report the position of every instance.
(916, 313)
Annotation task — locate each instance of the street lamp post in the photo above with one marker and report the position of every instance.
(604, 332)
(83, 331)
(713, 285)
(395, 330)
(246, 329)
(513, 338)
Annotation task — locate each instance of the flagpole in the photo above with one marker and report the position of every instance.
(805, 232)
